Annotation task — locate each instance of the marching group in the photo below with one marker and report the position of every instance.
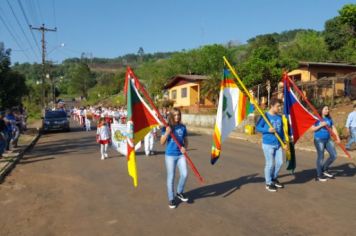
(12, 124)
(174, 156)
(104, 117)
(271, 147)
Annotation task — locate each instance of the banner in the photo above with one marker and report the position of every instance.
(119, 138)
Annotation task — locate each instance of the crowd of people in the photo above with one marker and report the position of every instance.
(112, 115)
(12, 124)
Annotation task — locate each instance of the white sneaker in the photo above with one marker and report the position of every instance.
(102, 157)
(105, 155)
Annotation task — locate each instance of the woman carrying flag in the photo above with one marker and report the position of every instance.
(322, 142)
(174, 156)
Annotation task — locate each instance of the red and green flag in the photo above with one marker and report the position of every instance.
(140, 121)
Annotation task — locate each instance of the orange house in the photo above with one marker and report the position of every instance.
(184, 90)
(314, 71)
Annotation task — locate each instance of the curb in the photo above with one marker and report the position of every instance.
(11, 164)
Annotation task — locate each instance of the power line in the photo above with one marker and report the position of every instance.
(55, 18)
(54, 12)
(32, 12)
(22, 30)
(39, 10)
(13, 36)
(28, 23)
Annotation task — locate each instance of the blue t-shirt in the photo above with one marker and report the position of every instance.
(323, 132)
(268, 137)
(180, 131)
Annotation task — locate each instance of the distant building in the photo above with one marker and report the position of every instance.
(184, 90)
(311, 71)
(321, 80)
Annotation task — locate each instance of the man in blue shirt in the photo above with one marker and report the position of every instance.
(272, 148)
(351, 127)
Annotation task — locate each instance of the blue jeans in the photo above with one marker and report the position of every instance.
(321, 145)
(352, 138)
(2, 145)
(171, 163)
(274, 161)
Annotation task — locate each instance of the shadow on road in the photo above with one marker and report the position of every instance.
(72, 130)
(344, 170)
(224, 188)
(55, 148)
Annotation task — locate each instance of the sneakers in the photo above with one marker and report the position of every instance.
(321, 179)
(172, 204)
(105, 155)
(102, 157)
(182, 197)
(277, 183)
(271, 187)
(328, 174)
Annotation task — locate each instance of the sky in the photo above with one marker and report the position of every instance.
(109, 28)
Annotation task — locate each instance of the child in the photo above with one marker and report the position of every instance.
(103, 137)
(87, 124)
(150, 141)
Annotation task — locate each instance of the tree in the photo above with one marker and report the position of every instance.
(348, 17)
(335, 33)
(11, 82)
(307, 46)
(81, 79)
(140, 53)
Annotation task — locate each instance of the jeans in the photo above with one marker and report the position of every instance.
(8, 140)
(2, 143)
(352, 137)
(274, 161)
(321, 145)
(171, 163)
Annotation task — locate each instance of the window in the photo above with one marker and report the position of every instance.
(297, 77)
(325, 74)
(184, 92)
(174, 94)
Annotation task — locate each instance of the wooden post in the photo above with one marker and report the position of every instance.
(333, 94)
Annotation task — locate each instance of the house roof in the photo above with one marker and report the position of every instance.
(329, 64)
(188, 78)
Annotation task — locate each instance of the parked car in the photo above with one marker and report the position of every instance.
(55, 120)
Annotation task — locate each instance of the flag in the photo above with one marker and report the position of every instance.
(140, 120)
(297, 120)
(232, 110)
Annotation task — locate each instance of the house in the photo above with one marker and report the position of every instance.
(311, 71)
(320, 76)
(184, 90)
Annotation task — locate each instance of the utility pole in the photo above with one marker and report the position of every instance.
(43, 30)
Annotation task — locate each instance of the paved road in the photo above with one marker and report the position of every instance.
(63, 188)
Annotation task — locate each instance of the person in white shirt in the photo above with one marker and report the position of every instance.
(150, 141)
(351, 128)
(103, 137)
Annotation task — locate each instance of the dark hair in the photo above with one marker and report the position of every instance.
(320, 111)
(354, 105)
(274, 101)
(171, 122)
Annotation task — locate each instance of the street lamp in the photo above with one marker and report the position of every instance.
(55, 48)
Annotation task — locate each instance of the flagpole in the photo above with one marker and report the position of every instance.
(160, 117)
(316, 113)
(252, 99)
